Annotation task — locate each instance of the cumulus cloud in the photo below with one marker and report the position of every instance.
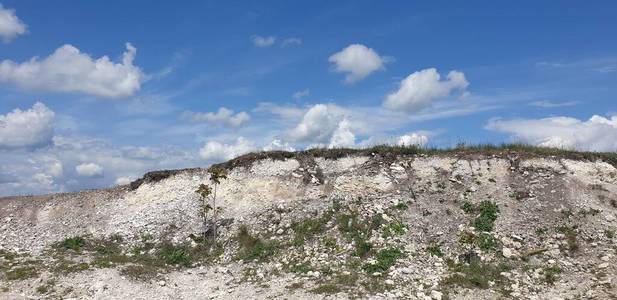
(89, 170)
(301, 94)
(318, 124)
(420, 89)
(412, 139)
(27, 129)
(278, 145)
(596, 134)
(122, 180)
(223, 116)
(343, 137)
(358, 61)
(262, 42)
(214, 151)
(69, 70)
(10, 25)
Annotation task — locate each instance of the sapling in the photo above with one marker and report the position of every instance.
(207, 194)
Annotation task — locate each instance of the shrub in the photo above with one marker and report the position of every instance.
(488, 214)
(385, 259)
(74, 243)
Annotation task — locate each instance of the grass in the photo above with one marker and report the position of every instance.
(392, 150)
(488, 214)
(74, 243)
(22, 273)
(434, 249)
(468, 207)
(401, 206)
(571, 237)
(326, 288)
(253, 248)
(359, 230)
(483, 241)
(175, 255)
(394, 228)
(475, 275)
(550, 274)
(609, 233)
(307, 228)
(385, 259)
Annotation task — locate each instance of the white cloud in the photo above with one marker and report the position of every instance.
(596, 134)
(358, 61)
(292, 41)
(301, 94)
(10, 25)
(412, 139)
(69, 70)
(214, 151)
(342, 136)
(223, 116)
(318, 124)
(551, 104)
(421, 88)
(27, 129)
(262, 42)
(278, 145)
(89, 170)
(122, 180)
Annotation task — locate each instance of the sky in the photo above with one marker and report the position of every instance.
(95, 93)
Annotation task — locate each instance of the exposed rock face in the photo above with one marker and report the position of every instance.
(426, 227)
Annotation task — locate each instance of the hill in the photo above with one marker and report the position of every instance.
(385, 222)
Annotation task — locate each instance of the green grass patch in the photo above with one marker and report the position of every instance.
(488, 214)
(476, 275)
(74, 243)
(253, 248)
(326, 288)
(307, 228)
(22, 273)
(384, 260)
(434, 249)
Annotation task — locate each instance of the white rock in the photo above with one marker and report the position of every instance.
(436, 295)
(507, 252)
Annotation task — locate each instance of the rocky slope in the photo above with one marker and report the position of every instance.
(455, 225)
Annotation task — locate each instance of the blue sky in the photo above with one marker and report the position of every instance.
(94, 93)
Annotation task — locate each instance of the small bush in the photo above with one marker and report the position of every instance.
(401, 206)
(488, 214)
(486, 242)
(468, 207)
(394, 228)
(175, 255)
(74, 243)
(385, 259)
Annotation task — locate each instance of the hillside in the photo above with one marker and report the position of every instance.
(400, 223)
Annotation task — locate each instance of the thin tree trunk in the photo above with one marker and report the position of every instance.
(205, 212)
(215, 220)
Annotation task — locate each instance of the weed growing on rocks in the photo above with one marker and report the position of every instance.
(384, 260)
(253, 248)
